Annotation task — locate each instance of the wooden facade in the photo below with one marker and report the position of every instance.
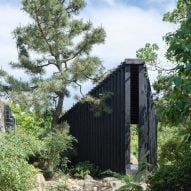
(105, 140)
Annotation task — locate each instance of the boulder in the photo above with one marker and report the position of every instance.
(114, 183)
(133, 159)
(40, 183)
(88, 177)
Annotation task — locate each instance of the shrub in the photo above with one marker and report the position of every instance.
(131, 187)
(174, 173)
(15, 172)
(110, 173)
(164, 179)
(54, 144)
(84, 168)
(21, 143)
(16, 175)
(54, 153)
(168, 154)
(29, 121)
(163, 139)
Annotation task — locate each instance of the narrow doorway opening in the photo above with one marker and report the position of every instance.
(134, 147)
(134, 132)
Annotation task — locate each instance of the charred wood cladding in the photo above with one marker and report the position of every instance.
(105, 139)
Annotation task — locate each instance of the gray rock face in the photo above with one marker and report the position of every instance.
(2, 123)
(7, 120)
(114, 183)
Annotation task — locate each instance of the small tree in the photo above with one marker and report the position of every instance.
(54, 51)
(174, 104)
(173, 85)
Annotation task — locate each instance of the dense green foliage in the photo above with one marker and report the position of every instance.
(174, 172)
(32, 143)
(56, 146)
(15, 172)
(29, 121)
(148, 53)
(131, 187)
(174, 107)
(82, 169)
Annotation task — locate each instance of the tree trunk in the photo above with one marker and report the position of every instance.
(57, 112)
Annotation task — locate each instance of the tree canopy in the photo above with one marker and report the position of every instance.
(173, 87)
(54, 49)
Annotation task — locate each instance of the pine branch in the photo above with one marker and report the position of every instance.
(44, 65)
(44, 36)
(75, 55)
(80, 86)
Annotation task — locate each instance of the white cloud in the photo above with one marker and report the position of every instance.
(10, 18)
(128, 29)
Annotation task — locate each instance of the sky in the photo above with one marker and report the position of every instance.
(129, 24)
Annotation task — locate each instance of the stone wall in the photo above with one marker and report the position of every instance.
(7, 120)
(2, 122)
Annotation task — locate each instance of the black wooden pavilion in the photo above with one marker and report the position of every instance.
(105, 140)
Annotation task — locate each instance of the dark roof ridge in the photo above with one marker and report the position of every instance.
(127, 61)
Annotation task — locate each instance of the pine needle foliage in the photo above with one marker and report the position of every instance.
(55, 52)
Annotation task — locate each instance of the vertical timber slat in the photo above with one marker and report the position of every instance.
(143, 115)
(127, 116)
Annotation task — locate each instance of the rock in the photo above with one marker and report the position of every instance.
(2, 121)
(114, 183)
(109, 179)
(91, 185)
(40, 183)
(7, 120)
(76, 188)
(143, 185)
(86, 184)
(88, 177)
(133, 159)
(75, 184)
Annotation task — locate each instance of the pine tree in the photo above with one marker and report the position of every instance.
(54, 50)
